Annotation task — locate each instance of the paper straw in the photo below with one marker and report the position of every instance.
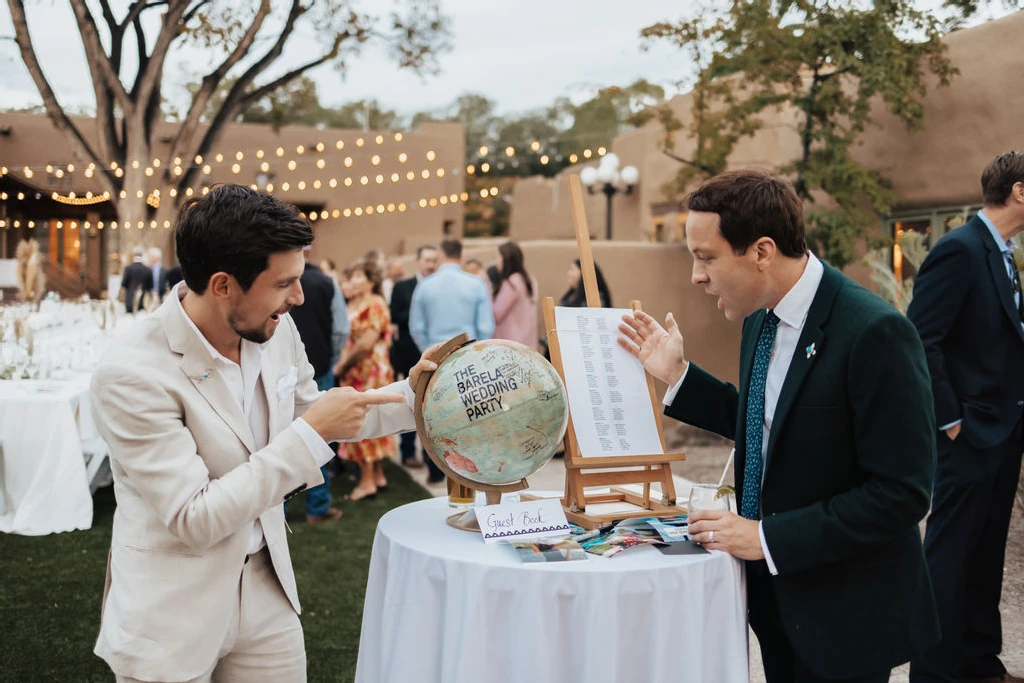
(732, 454)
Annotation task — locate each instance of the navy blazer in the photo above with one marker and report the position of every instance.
(847, 478)
(963, 309)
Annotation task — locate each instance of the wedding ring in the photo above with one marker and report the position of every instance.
(711, 536)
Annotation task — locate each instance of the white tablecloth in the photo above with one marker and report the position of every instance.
(43, 425)
(443, 607)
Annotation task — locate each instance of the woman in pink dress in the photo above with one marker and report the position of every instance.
(515, 298)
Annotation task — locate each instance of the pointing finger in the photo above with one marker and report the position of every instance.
(379, 398)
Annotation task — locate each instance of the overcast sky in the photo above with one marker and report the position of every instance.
(522, 54)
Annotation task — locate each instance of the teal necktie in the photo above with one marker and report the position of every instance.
(751, 505)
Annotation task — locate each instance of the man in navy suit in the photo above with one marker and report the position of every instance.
(969, 311)
(835, 441)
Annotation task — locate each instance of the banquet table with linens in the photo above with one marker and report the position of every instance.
(51, 455)
(49, 439)
(442, 606)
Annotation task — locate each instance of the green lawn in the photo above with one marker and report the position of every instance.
(50, 588)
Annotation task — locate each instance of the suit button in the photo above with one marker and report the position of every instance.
(1020, 403)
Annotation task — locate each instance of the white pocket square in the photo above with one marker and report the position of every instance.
(286, 385)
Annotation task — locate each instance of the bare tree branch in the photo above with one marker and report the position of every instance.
(192, 12)
(213, 80)
(692, 164)
(99, 63)
(232, 102)
(140, 42)
(57, 114)
(148, 78)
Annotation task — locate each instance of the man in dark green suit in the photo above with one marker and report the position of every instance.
(834, 432)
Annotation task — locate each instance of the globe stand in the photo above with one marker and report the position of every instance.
(466, 521)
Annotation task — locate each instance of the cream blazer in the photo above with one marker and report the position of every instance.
(189, 484)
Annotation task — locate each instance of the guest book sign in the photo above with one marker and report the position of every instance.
(524, 521)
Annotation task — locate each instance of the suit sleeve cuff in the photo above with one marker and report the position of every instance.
(951, 424)
(670, 395)
(764, 548)
(318, 448)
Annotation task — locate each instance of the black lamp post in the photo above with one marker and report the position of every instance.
(610, 181)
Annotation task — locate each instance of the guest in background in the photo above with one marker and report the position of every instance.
(345, 284)
(329, 268)
(473, 267)
(448, 303)
(174, 276)
(136, 280)
(158, 285)
(515, 298)
(377, 258)
(320, 331)
(395, 274)
(404, 352)
(364, 365)
(969, 310)
(493, 276)
(576, 296)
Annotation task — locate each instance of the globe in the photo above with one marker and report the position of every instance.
(494, 411)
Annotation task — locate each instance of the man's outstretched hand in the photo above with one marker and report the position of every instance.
(660, 349)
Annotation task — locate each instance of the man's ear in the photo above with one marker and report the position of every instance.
(765, 250)
(220, 285)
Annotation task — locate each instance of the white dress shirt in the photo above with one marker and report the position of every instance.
(792, 312)
(243, 380)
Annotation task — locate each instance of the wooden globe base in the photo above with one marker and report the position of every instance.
(492, 491)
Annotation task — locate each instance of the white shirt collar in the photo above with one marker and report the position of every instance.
(795, 305)
(247, 346)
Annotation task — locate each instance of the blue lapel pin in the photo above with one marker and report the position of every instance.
(811, 351)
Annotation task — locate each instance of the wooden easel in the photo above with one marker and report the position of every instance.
(614, 470)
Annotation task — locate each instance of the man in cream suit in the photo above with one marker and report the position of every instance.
(214, 420)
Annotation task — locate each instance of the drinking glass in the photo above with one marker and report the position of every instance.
(459, 496)
(706, 497)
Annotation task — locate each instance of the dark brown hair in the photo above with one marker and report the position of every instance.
(512, 262)
(451, 248)
(372, 272)
(751, 205)
(999, 177)
(234, 230)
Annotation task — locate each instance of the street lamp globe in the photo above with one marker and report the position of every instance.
(630, 175)
(611, 160)
(607, 173)
(588, 176)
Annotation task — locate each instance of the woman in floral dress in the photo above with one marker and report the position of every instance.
(364, 365)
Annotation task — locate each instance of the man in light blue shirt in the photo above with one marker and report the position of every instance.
(450, 302)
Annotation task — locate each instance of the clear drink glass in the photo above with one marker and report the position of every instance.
(707, 497)
(460, 497)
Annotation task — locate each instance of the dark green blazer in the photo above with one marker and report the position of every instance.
(848, 477)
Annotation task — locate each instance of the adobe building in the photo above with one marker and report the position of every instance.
(935, 174)
(361, 190)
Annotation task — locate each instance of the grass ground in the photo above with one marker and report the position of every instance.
(50, 588)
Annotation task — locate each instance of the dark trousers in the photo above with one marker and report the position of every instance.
(407, 447)
(781, 665)
(965, 544)
(318, 498)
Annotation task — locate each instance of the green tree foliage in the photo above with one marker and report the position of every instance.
(827, 62)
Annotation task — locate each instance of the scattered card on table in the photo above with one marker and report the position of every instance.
(564, 550)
